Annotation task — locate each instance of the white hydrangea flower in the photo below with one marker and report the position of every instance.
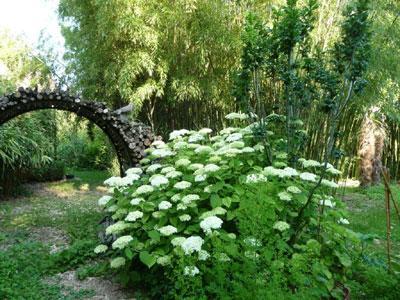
(116, 181)
(209, 223)
(162, 153)
(236, 116)
(200, 178)
(112, 208)
(191, 271)
(117, 227)
(255, 178)
(164, 260)
(183, 162)
(153, 168)
(182, 185)
(285, 196)
(271, 171)
(203, 255)
(327, 202)
(181, 206)
(176, 198)
(237, 144)
(192, 244)
(178, 133)
(205, 131)
(289, 172)
(189, 198)
(100, 249)
(104, 200)
(343, 221)
(117, 262)
(122, 242)
(308, 176)
(133, 216)
(196, 137)
(185, 218)
(281, 226)
(210, 168)
(158, 144)
(158, 180)
(293, 189)
(214, 159)
(137, 171)
(178, 241)
(164, 205)
(144, 189)
(329, 183)
(248, 150)
(173, 174)
(193, 146)
(180, 145)
(168, 230)
(167, 170)
(195, 166)
(228, 130)
(310, 163)
(136, 201)
(234, 137)
(203, 150)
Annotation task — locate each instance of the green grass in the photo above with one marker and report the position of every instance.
(66, 207)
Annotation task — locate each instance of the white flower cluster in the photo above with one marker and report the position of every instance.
(178, 133)
(119, 182)
(168, 230)
(191, 244)
(190, 198)
(210, 223)
(281, 226)
(136, 201)
(191, 271)
(117, 227)
(133, 216)
(255, 178)
(285, 196)
(122, 242)
(236, 116)
(182, 185)
(164, 205)
(117, 262)
(158, 180)
(144, 189)
(104, 200)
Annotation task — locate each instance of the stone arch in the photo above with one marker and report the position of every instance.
(128, 138)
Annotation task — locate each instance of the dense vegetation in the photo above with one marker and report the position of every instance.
(280, 100)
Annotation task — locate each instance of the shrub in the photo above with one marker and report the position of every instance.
(212, 216)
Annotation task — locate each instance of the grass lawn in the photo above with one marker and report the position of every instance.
(47, 239)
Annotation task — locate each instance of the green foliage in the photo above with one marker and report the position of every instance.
(159, 56)
(204, 206)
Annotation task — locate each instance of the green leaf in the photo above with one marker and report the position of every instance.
(148, 259)
(154, 235)
(215, 201)
(343, 258)
(128, 253)
(227, 201)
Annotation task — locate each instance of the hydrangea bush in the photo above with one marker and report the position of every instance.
(203, 200)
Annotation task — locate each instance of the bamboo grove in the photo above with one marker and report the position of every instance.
(185, 64)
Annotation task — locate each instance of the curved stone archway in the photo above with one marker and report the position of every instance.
(129, 139)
